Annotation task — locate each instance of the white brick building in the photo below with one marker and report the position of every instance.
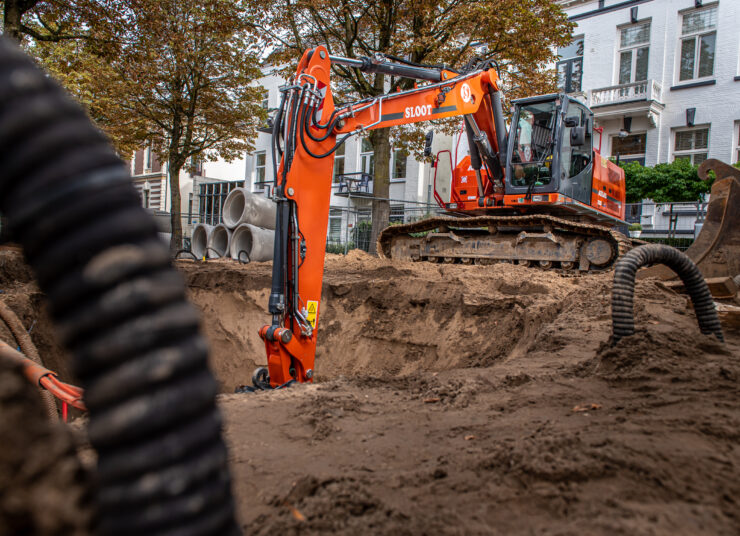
(661, 76)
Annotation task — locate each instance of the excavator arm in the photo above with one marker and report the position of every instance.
(307, 130)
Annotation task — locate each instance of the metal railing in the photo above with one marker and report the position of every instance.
(350, 227)
(676, 224)
(648, 90)
(354, 183)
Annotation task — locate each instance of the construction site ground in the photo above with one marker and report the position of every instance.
(456, 399)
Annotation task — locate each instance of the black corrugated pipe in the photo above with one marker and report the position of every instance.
(121, 310)
(623, 292)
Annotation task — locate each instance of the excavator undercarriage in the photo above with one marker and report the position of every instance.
(533, 240)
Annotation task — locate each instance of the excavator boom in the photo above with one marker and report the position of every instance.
(541, 189)
(308, 129)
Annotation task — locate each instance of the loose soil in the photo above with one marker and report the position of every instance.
(457, 399)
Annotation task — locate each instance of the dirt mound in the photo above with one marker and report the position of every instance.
(384, 319)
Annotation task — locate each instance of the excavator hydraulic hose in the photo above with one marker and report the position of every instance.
(121, 311)
(623, 291)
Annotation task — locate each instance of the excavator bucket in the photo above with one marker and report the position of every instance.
(716, 251)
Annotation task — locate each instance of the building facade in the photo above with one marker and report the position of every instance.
(661, 76)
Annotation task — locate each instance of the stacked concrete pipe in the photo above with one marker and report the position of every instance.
(250, 243)
(218, 242)
(199, 242)
(252, 219)
(242, 206)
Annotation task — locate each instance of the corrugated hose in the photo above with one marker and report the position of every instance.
(121, 311)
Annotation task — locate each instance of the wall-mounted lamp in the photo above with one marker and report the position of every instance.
(626, 127)
(633, 14)
(690, 115)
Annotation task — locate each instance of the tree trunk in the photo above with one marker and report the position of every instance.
(12, 14)
(380, 140)
(173, 170)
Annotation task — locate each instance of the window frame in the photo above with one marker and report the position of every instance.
(569, 62)
(397, 213)
(370, 155)
(148, 159)
(335, 214)
(736, 145)
(397, 154)
(629, 157)
(259, 185)
(633, 49)
(676, 154)
(339, 157)
(696, 36)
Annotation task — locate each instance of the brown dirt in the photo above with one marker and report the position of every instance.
(42, 483)
(470, 400)
(478, 400)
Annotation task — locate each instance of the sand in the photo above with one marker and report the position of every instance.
(457, 399)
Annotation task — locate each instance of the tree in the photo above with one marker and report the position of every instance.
(177, 74)
(520, 34)
(664, 183)
(50, 20)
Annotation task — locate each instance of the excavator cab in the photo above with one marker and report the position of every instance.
(550, 148)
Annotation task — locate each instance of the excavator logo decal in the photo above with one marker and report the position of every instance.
(465, 92)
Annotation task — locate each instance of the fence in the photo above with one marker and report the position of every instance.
(350, 226)
(675, 224)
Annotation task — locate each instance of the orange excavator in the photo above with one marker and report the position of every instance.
(538, 194)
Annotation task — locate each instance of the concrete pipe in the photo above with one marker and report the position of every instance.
(199, 240)
(250, 243)
(242, 206)
(218, 242)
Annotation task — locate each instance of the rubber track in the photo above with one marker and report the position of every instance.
(623, 244)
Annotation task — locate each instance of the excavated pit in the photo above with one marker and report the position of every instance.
(378, 319)
(458, 399)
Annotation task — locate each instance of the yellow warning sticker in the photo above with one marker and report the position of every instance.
(313, 309)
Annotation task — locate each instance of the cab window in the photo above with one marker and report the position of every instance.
(533, 144)
(574, 159)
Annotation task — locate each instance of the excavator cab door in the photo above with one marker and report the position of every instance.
(575, 151)
(532, 152)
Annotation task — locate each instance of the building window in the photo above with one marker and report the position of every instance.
(148, 159)
(146, 198)
(211, 200)
(266, 100)
(737, 143)
(398, 170)
(630, 148)
(396, 215)
(691, 145)
(570, 66)
(260, 159)
(190, 209)
(335, 225)
(367, 158)
(339, 162)
(634, 47)
(698, 37)
(196, 166)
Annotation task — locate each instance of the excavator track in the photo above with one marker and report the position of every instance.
(537, 240)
